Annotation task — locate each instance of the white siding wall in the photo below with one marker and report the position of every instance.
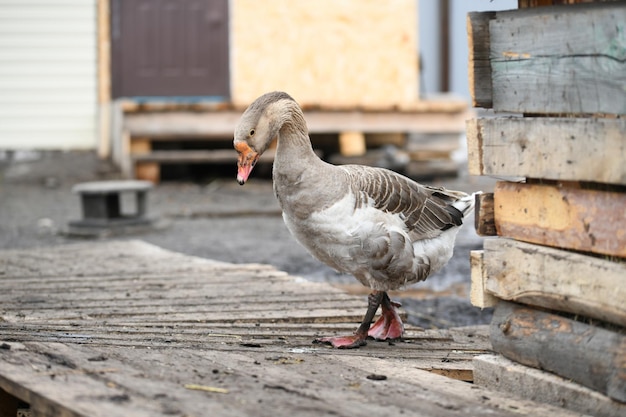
(48, 80)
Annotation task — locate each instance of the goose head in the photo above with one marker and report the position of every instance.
(258, 127)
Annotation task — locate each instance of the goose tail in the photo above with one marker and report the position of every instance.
(466, 204)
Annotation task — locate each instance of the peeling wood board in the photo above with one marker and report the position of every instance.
(589, 355)
(501, 374)
(533, 70)
(104, 78)
(579, 219)
(484, 221)
(479, 67)
(555, 279)
(568, 149)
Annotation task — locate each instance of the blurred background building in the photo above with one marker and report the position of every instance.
(64, 64)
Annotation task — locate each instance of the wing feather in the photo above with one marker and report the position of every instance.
(427, 211)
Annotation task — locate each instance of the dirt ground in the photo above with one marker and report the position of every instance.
(216, 219)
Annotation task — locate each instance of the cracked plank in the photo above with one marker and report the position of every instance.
(556, 148)
(569, 59)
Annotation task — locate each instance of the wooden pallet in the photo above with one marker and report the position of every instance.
(141, 127)
(126, 328)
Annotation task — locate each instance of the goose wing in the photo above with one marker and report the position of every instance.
(426, 211)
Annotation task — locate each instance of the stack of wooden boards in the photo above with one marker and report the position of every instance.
(556, 273)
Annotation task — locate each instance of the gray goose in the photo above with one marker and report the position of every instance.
(383, 228)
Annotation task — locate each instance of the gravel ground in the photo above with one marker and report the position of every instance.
(216, 219)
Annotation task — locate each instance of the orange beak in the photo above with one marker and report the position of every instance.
(247, 159)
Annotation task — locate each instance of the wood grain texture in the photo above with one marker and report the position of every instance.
(579, 219)
(556, 279)
(112, 328)
(474, 147)
(484, 220)
(501, 374)
(342, 54)
(479, 65)
(588, 355)
(104, 78)
(565, 59)
(570, 149)
(62, 380)
(222, 124)
(479, 297)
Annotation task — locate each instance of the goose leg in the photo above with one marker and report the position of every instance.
(358, 338)
(389, 324)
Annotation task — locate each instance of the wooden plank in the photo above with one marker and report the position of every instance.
(556, 279)
(579, 219)
(67, 381)
(144, 170)
(479, 68)
(140, 145)
(570, 149)
(479, 297)
(474, 148)
(222, 156)
(398, 139)
(501, 374)
(589, 355)
(535, 71)
(222, 124)
(110, 259)
(386, 122)
(429, 155)
(484, 221)
(434, 103)
(148, 171)
(430, 169)
(104, 78)
(468, 394)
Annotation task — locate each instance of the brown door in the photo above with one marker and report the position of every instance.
(170, 48)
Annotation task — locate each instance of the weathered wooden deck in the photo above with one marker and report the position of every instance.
(126, 328)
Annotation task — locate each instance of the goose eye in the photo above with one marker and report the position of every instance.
(252, 131)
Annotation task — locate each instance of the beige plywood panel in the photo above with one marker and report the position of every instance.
(335, 54)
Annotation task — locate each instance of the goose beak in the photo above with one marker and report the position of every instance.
(246, 161)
